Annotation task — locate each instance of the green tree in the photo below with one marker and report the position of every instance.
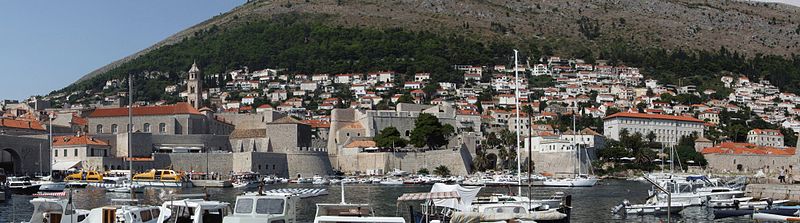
(441, 171)
(389, 137)
(428, 131)
(423, 171)
(406, 98)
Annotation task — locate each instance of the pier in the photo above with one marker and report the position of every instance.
(774, 191)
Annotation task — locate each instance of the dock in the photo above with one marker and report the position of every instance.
(212, 183)
(775, 191)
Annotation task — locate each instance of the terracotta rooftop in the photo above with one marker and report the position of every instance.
(21, 124)
(652, 116)
(77, 140)
(747, 149)
(361, 144)
(176, 109)
(317, 123)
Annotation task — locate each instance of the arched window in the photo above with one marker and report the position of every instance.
(114, 129)
(146, 127)
(99, 129)
(162, 128)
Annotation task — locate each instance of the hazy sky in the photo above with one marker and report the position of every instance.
(46, 45)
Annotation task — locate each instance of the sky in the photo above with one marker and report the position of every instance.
(47, 45)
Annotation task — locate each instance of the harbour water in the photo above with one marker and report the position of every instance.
(591, 204)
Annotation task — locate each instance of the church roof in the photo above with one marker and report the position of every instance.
(194, 68)
(180, 108)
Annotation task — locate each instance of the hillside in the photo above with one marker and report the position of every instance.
(586, 26)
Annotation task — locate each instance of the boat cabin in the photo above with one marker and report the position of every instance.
(159, 175)
(339, 213)
(269, 207)
(85, 176)
(129, 213)
(55, 210)
(197, 211)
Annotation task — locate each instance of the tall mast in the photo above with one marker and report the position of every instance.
(130, 129)
(575, 146)
(516, 101)
(50, 117)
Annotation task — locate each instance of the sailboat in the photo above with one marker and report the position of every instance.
(579, 179)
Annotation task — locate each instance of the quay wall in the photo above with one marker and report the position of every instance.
(774, 191)
(304, 162)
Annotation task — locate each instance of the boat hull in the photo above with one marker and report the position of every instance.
(775, 217)
(53, 186)
(570, 183)
(28, 189)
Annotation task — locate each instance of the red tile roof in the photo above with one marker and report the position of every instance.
(79, 121)
(21, 124)
(317, 123)
(179, 108)
(652, 116)
(747, 148)
(77, 140)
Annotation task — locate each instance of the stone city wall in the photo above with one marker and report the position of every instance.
(24, 153)
(459, 161)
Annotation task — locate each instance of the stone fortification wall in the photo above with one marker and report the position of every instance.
(261, 162)
(24, 153)
(251, 120)
(216, 162)
(744, 163)
(458, 161)
(308, 162)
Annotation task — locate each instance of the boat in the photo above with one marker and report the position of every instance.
(192, 210)
(334, 213)
(248, 180)
(127, 189)
(50, 186)
(161, 178)
(128, 213)
(720, 214)
(304, 180)
(391, 181)
(580, 181)
(264, 207)
(775, 217)
(762, 204)
(22, 185)
(651, 207)
(319, 180)
(49, 208)
(727, 203)
(85, 176)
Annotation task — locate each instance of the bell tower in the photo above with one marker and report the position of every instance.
(194, 87)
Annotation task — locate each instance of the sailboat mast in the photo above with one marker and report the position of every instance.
(516, 89)
(575, 146)
(130, 129)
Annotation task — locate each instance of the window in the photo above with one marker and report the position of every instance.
(99, 129)
(146, 127)
(114, 129)
(65, 152)
(75, 153)
(56, 154)
(162, 128)
(244, 206)
(269, 206)
(145, 215)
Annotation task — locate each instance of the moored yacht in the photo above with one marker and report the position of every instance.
(197, 210)
(56, 210)
(22, 185)
(264, 207)
(129, 213)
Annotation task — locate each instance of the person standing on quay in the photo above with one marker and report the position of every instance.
(782, 175)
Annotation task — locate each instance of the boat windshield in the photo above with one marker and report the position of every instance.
(269, 206)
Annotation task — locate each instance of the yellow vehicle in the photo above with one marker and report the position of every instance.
(85, 176)
(159, 175)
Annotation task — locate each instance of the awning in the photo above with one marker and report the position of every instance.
(65, 165)
(428, 196)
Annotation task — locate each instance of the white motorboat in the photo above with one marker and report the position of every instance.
(719, 193)
(197, 210)
(56, 210)
(248, 180)
(727, 203)
(129, 213)
(320, 180)
(264, 207)
(127, 189)
(762, 204)
(50, 186)
(391, 181)
(350, 180)
(776, 217)
(334, 213)
(22, 185)
(580, 181)
(651, 207)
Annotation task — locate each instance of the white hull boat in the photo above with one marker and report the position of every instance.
(775, 217)
(727, 203)
(649, 208)
(48, 186)
(760, 204)
(570, 182)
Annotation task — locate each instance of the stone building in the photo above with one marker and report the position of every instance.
(10, 126)
(176, 119)
(748, 158)
(765, 137)
(81, 151)
(24, 155)
(667, 128)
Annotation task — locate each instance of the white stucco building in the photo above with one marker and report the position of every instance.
(765, 137)
(667, 128)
